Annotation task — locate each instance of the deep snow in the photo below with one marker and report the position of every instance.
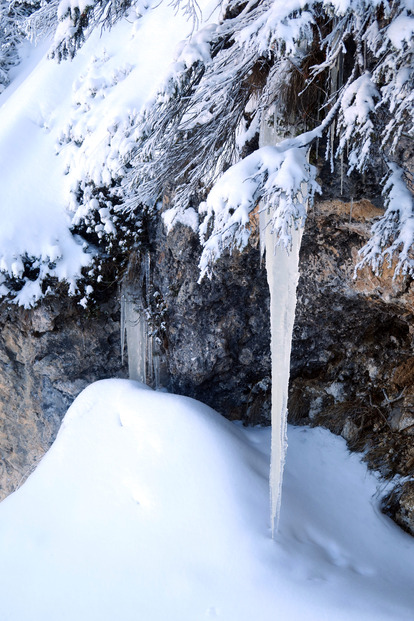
(151, 506)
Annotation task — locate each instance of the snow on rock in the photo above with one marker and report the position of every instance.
(151, 506)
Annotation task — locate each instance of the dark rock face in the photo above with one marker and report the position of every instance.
(47, 356)
(352, 368)
(217, 341)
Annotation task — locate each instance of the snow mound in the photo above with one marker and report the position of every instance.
(151, 506)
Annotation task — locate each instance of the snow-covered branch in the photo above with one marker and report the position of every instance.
(355, 127)
(280, 177)
(393, 234)
(77, 19)
(12, 15)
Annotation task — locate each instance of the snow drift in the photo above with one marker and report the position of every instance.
(151, 506)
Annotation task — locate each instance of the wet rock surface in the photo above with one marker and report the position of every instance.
(352, 367)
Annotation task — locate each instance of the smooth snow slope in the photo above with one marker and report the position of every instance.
(152, 507)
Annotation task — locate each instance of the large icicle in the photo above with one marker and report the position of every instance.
(282, 275)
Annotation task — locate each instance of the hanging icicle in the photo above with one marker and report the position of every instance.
(123, 326)
(282, 275)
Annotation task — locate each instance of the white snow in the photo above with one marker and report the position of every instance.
(189, 217)
(34, 221)
(65, 124)
(151, 506)
(401, 31)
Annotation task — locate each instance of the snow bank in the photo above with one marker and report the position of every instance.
(151, 506)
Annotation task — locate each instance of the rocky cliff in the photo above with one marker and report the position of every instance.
(47, 356)
(352, 367)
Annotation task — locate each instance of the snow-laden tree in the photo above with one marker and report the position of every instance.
(12, 19)
(333, 73)
(73, 20)
(6, 49)
(76, 19)
(342, 71)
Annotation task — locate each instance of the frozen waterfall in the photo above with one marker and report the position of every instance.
(134, 327)
(143, 353)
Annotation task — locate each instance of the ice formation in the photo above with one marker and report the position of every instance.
(143, 355)
(282, 275)
(134, 326)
